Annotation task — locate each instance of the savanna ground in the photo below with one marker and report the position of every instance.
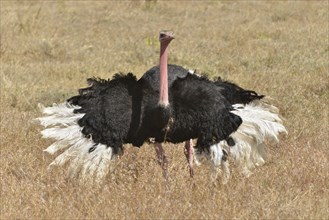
(280, 49)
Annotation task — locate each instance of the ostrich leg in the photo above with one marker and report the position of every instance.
(162, 159)
(189, 151)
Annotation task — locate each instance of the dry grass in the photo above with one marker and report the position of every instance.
(281, 49)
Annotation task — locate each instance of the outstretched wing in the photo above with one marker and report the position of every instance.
(89, 129)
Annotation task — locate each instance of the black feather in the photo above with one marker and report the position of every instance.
(123, 110)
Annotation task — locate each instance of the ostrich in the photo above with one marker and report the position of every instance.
(91, 128)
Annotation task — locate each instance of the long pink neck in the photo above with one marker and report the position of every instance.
(163, 99)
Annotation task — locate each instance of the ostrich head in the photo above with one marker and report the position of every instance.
(165, 38)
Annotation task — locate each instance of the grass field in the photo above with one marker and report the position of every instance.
(278, 48)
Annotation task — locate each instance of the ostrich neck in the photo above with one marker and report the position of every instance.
(164, 99)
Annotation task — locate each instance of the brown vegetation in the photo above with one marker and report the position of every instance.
(280, 49)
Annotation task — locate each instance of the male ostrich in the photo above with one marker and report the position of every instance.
(94, 125)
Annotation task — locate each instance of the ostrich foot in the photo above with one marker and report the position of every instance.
(162, 159)
(189, 151)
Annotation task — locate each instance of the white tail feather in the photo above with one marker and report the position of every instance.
(217, 157)
(63, 109)
(59, 114)
(219, 164)
(260, 122)
(92, 160)
(56, 146)
(94, 165)
(79, 149)
(104, 165)
(59, 120)
(67, 133)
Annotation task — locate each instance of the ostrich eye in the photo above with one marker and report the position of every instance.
(162, 35)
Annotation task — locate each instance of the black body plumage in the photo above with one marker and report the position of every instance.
(200, 111)
(126, 110)
(235, 94)
(108, 107)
